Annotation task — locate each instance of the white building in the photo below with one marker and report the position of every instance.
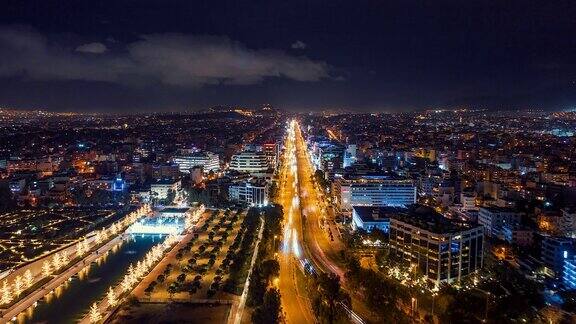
(373, 191)
(207, 160)
(161, 188)
(250, 162)
(495, 218)
(251, 193)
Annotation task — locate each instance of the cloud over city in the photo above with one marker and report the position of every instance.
(172, 59)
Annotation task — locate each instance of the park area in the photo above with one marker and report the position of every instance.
(210, 263)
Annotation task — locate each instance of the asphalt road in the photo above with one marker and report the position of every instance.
(295, 303)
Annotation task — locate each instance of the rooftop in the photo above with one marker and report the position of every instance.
(428, 219)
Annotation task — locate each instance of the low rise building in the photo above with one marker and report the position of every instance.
(161, 188)
(254, 193)
(369, 218)
(495, 218)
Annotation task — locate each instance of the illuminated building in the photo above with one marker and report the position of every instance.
(374, 191)
(207, 160)
(161, 188)
(349, 156)
(518, 236)
(555, 250)
(442, 250)
(250, 162)
(253, 193)
(369, 218)
(272, 152)
(569, 273)
(494, 218)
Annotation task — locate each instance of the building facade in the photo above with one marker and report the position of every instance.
(495, 218)
(370, 218)
(555, 250)
(373, 191)
(207, 160)
(161, 188)
(442, 251)
(569, 273)
(250, 161)
(251, 193)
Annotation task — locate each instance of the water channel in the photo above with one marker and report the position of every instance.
(71, 301)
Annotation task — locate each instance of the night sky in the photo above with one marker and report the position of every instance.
(142, 55)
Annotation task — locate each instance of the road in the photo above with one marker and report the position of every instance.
(242, 302)
(318, 216)
(294, 301)
(313, 205)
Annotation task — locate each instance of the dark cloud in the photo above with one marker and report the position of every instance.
(94, 48)
(171, 59)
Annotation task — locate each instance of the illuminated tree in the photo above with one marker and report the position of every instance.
(131, 273)
(6, 295)
(64, 258)
(140, 269)
(95, 315)
(98, 237)
(126, 283)
(111, 296)
(56, 261)
(79, 249)
(17, 286)
(28, 278)
(46, 269)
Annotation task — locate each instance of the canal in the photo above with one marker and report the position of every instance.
(71, 301)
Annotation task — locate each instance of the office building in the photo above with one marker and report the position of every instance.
(272, 152)
(253, 193)
(250, 162)
(207, 160)
(349, 156)
(373, 191)
(443, 250)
